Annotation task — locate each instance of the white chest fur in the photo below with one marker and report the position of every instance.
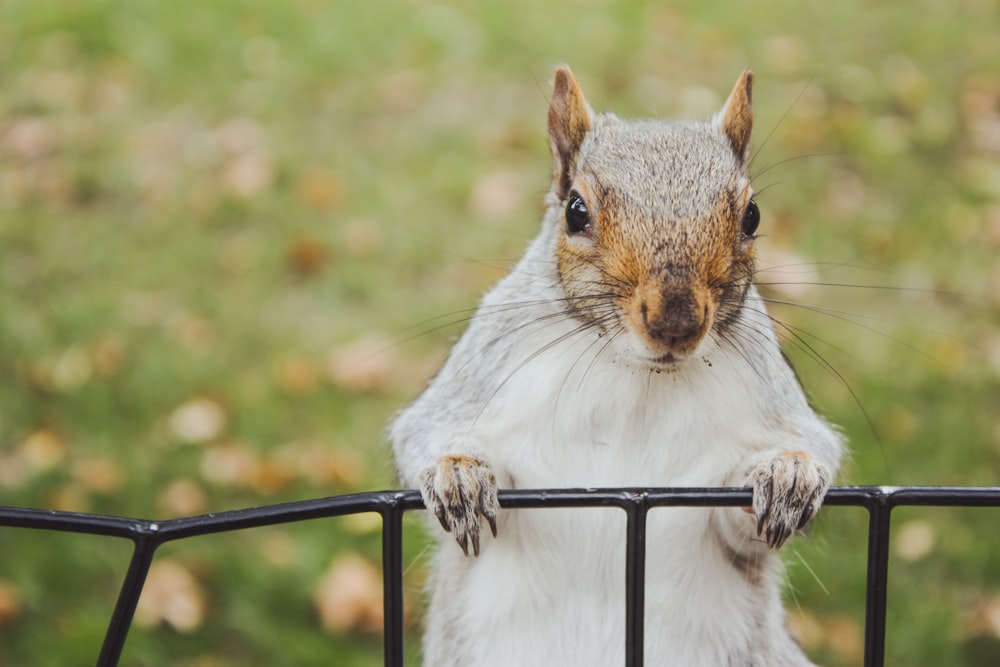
(567, 419)
(572, 417)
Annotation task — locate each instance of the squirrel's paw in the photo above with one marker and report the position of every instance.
(787, 491)
(460, 489)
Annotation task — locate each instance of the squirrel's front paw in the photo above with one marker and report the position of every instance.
(460, 489)
(787, 491)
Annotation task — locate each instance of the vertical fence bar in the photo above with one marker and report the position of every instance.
(392, 582)
(635, 579)
(128, 599)
(879, 515)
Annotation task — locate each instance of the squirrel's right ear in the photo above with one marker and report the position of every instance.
(736, 118)
(570, 118)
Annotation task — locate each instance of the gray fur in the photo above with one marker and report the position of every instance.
(558, 382)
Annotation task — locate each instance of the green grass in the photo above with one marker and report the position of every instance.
(251, 208)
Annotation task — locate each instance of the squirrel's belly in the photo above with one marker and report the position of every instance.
(550, 591)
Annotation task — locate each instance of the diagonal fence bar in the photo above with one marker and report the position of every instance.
(147, 536)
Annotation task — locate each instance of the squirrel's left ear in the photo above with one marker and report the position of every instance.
(570, 119)
(736, 118)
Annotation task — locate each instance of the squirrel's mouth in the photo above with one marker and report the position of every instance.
(668, 359)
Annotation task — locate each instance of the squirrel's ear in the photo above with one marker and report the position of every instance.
(736, 118)
(570, 118)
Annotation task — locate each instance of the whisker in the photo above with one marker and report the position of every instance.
(751, 334)
(887, 288)
(799, 341)
(795, 158)
(585, 326)
(611, 337)
(853, 318)
(469, 314)
(781, 120)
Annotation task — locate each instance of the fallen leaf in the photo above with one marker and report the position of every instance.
(195, 333)
(98, 473)
(899, 424)
(198, 421)
(68, 498)
(271, 477)
(10, 602)
(182, 497)
(496, 195)
(845, 639)
(320, 189)
(362, 366)
(30, 138)
(71, 370)
(248, 174)
(106, 355)
(980, 105)
(806, 629)
(984, 618)
(14, 474)
(307, 256)
(240, 135)
(914, 540)
(364, 523)
(230, 464)
(42, 450)
(349, 596)
(322, 464)
(280, 550)
(172, 596)
(784, 273)
(296, 375)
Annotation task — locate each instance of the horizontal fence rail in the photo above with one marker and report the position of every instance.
(147, 536)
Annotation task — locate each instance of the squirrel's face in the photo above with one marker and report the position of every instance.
(656, 226)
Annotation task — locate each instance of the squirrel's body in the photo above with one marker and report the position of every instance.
(577, 371)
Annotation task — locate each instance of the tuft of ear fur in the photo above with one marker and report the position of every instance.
(736, 118)
(570, 118)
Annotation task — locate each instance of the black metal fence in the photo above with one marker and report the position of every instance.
(147, 536)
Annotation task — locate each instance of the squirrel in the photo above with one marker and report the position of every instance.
(627, 347)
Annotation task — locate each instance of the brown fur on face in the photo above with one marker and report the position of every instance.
(664, 255)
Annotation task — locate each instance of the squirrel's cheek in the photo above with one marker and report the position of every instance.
(577, 259)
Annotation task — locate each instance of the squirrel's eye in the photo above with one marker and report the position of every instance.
(751, 219)
(577, 215)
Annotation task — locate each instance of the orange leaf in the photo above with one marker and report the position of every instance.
(349, 596)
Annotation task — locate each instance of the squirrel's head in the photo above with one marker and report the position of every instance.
(654, 222)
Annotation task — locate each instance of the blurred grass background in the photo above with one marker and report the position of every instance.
(225, 228)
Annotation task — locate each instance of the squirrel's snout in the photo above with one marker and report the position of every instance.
(671, 322)
(672, 329)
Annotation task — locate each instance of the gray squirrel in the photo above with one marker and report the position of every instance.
(627, 347)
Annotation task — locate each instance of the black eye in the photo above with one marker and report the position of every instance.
(751, 219)
(577, 215)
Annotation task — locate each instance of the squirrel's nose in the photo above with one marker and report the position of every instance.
(672, 320)
(677, 321)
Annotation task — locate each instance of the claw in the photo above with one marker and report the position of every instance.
(788, 489)
(806, 515)
(475, 545)
(461, 491)
(442, 517)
